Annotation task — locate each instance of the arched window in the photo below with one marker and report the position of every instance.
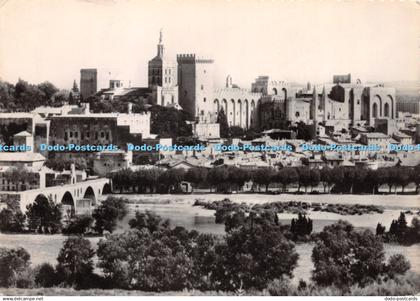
(375, 110)
(386, 110)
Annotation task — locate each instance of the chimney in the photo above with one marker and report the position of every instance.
(130, 108)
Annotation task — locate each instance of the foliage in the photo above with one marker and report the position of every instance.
(79, 224)
(264, 176)
(24, 97)
(157, 260)
(45, 275)
(75, 261)
(301, 227)
(171, 179)
(401, 232)
(11, 218)
(397, 265)
(148, 220)
(236, 132)
(60, 164)
(19, 176)
(44, 215)
(343, 256)
(223, 124)
(13, 262)
(254, 254)
(196, 175)
(108, 213)
(402, 285)
(170, 122)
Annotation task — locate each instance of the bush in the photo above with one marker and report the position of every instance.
(11, 221)
(108, 213)
(397, 265)
(78, 225)
(45, 275)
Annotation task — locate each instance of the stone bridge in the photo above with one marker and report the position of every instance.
(78, 197)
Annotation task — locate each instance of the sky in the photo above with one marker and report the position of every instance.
(297, 41)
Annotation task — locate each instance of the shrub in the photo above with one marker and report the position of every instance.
(108, 213)
(397, 265)
(45, 275)
(11, 220)
(78, 225)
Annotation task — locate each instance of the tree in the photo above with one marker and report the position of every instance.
(44, 215)
(236, 132)
(196, 175)
(49, 89)
(397, 265)
(218, 176)
(138, 259)
(75, 261)
(13, 262)
(19, 176)
(11, 218)
(169, 122)
(237, 177)
(264, 176)
(343, 256)
(405, 176)
(171, 179)
(108, 213)
(304, 177)
(301, 227)
(45, 275)
(380, 230)
(148, 220)
(254, 254)
(315, 177)
(78, 225)
(223, 124)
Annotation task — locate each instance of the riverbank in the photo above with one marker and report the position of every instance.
(396, 202)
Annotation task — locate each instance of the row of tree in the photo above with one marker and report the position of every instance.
(254, 254)
(222, 178)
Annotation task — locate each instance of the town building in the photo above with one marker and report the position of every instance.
(93, 80)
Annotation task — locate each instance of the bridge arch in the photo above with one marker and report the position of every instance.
(68, 204)
(90, 194)
(106, 189)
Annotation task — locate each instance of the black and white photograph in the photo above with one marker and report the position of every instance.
(209, 148)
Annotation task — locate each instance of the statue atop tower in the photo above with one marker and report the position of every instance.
(160, 47)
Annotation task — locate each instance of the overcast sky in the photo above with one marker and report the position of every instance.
(288, 40)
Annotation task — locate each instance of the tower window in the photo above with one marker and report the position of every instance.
(204, 99)
(202, 87)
